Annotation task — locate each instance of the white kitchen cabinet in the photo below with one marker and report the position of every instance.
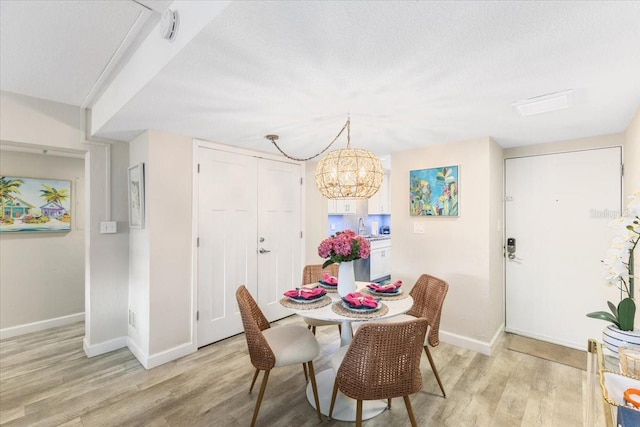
(380, 259)
(341, 207)
(380, 203)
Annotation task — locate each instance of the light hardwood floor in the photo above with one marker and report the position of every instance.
(46, 380)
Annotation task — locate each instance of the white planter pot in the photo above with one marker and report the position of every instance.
(612, 338)
(346, 279)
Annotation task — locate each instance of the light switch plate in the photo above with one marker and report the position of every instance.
(108, 227)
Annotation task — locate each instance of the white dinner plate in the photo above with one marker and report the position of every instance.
(326, 286)
(398, 291)
(361, 309)
(306, 301)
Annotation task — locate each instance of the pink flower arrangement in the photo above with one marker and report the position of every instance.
(344, 246)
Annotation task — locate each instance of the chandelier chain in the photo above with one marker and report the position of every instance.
(347, 125)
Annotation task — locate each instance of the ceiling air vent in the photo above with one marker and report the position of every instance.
(544, 103)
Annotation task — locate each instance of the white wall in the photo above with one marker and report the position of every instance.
(32, 123)
(169, 202)
(458, 250)
(496, 241)
(316, 222)
(41, 123)
(139, 270)
(631, 152)
(106, 278)
(161, 253)
(42, 274)
(632, 156)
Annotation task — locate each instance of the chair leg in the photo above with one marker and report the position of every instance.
(435, 371)
(263, 386)
(253, 382)
(340, 328)
(313, 330)
(333, 398)
(389, 403)
(314, 387)
(412, 417)
(306, 377)
(359, 413)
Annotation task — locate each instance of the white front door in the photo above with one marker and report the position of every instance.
(557, 209)
(279, 238)
(227, 218)
(248, 226)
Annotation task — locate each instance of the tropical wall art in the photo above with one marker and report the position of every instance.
(434, 192)
(30, 204)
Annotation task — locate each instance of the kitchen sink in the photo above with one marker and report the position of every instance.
(378, 237)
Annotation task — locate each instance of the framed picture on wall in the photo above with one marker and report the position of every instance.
(434, 192)
(32, 204)
(136, 195)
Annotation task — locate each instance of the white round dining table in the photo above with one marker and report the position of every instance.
(345, 407)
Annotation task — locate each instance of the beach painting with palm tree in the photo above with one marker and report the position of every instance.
(30, 204)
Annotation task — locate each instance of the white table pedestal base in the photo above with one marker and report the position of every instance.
(345, 407)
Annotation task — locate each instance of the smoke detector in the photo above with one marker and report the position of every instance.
(168, 24)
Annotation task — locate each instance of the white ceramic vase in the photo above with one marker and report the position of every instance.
(612, 338)
(346, 278)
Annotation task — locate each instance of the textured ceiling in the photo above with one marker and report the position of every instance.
(408, 73)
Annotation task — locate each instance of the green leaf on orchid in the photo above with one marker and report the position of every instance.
(626, 313)
(613, 308)
(603, 315)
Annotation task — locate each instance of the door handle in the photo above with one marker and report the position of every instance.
(263, 251)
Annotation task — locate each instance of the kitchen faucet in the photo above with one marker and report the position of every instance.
(361, 227)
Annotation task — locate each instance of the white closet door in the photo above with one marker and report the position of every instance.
(279, 240)
(227, 218)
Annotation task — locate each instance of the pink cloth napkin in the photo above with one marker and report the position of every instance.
(391, 287)
(329, 279)
(305, 293)
(356, 299)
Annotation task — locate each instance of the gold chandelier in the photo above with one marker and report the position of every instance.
(347, 173)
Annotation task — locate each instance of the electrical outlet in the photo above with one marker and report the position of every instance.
(418, 227)
(108, 227)
(333, 227)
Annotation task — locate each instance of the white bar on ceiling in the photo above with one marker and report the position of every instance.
(151, 57)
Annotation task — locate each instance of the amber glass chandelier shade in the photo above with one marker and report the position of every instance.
(349, 173)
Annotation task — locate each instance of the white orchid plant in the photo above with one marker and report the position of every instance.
(618, 267)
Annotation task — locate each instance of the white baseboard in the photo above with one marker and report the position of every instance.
(42, 325)
(142, 357)
(161, 358)
(553, 340)
(171, 354)
(104, 347)
(470, 343)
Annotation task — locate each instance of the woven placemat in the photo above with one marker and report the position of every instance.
(289, 303)
(340, 309)
(403, 295)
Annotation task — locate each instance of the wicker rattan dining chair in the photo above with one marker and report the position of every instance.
(382, 362)
(428, 297)
(311, 274)
(274, 347)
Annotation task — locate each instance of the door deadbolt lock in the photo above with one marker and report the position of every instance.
(511, 248)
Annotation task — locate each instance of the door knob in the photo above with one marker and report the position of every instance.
(263, 251)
